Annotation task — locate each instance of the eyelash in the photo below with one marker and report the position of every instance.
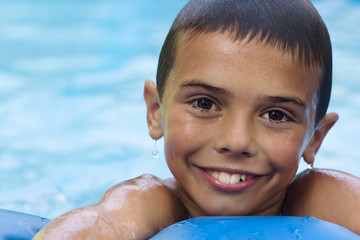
(195, 104)
(277, 111)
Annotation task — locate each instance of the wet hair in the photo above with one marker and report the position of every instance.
(294, 26)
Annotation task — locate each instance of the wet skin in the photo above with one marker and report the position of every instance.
(230, 111)
(235, 108)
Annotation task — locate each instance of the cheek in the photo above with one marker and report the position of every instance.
(178, 130)
(284, 150)
(183, 135)
(181, 140)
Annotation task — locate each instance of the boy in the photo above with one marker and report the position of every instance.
(242, 93)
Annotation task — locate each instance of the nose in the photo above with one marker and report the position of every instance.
(236, 136)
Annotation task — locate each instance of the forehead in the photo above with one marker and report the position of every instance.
(197, 49)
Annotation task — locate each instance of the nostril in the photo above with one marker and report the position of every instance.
(223, 150)
(234, 153)
(247, 154)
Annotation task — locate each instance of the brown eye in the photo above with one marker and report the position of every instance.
(204, 103)
(277, 115)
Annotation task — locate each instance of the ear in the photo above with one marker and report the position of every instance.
(153, 114)
(319, 134)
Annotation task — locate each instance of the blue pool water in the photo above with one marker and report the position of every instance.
(72, 118)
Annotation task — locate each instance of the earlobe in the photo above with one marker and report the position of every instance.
(323, 127)
(153, 114)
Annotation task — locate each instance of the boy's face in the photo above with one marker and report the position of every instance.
(236, 119)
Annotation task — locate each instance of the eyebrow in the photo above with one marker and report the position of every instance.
(200, 84)
(278, 99)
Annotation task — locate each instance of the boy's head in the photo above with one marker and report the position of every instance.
(291, 25)
(243, 84)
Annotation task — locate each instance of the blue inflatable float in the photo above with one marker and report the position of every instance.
(20, 226)
(255, 228)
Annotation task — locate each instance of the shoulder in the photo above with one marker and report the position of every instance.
(329, 195)
(146, 186)
(146, 199)
(145, 192)
(326, 178)
(142, 183)
(134, 209)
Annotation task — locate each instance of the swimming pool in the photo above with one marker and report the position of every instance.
(72, 115)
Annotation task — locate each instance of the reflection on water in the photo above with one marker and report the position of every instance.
(72, 115)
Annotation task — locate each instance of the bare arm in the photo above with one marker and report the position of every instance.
(135, 209)
(329, 195)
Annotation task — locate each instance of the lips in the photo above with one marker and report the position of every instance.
(229, 181)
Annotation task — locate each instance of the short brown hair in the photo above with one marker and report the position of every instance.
(293, 25)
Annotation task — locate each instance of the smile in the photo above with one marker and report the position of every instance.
(229, 181)
(229, 178)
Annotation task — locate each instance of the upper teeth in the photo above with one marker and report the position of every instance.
(228, 178)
